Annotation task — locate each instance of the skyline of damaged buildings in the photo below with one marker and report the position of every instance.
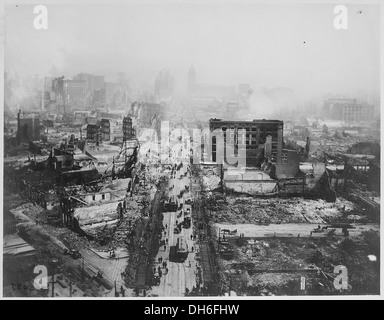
(278, 148)
(191, 150)
(89, 162)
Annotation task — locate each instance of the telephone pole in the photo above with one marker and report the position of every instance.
(54, 261)
(83, 273)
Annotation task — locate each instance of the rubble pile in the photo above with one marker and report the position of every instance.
(262, 267)
(211, 179)
(294, 210)
(43, 180)
(334, 147)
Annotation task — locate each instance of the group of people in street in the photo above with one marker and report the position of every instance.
(163, 265)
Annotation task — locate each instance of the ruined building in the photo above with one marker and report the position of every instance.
(28, 128)
(105, 129)
(128, 130)
(69, 91)
(147, 113)
(263, 141)
(60, 159)
(94, 134)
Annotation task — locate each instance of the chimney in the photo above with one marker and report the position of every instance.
(18, 134)
(308, 145)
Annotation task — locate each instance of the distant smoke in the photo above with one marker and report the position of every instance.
(21, 92)
(264, 102)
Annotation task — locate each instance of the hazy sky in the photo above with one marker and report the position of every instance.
(227, 43)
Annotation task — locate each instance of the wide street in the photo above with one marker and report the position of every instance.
(176, 277)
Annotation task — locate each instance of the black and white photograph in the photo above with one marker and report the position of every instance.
(191, 149)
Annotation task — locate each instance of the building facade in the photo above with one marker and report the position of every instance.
(74, 90)
(92, 82)
(99, 97)
(263, 142)
(94, 133)
(105, 129)
(348, 110)
(253, 138)
(69, 91)
(128, 130)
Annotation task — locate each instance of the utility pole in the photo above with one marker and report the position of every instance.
(116, 293)
(53, 281)
(54, 261)
(83, 273)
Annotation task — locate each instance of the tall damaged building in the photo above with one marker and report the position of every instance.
(263, 142)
